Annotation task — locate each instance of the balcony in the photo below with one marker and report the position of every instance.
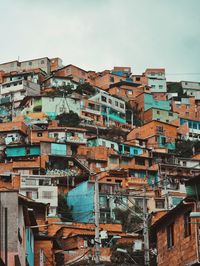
(93, 111)
(115, 117)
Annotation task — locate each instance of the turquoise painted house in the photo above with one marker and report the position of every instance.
(58, 149)
(96, 142)
(22, 151)
(81, 202)
(125, 149)
(150, 102)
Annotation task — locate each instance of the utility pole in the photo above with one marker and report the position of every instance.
(146, 231)
(97, 216)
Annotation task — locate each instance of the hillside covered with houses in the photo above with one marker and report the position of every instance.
(98, 167)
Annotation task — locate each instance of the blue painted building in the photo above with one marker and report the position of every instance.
(81, 201)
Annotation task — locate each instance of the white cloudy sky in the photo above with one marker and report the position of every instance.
(98, 34)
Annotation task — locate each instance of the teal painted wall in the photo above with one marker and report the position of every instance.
(15, 151)
(22, 151)
(170, 146)
(29, 246)
(81, 200)
(130, 149)
(58, 149)
(149, 102)
(35, 150)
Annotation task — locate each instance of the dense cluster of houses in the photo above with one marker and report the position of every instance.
(60, 127)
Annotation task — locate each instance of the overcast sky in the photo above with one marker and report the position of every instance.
(100, 34)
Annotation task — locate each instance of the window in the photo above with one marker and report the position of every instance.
(163, 141)
(121, 105)
(98, 165)
(47, 194)
(158, 112)
(29, 194)
(112, 146)
(184, 163)
(160, 87)
(167, 121)
(139, 202)
(139, 161)
(42, 62)
(30, 63)
(116, 104)
(55, 135)
(103, 143)
(30, 182)
(103, 98)
(170, 114)
(170, 235)
(39, 134)
(160, 204)
(187, 228)
(113, 160)
(112, 79)
(109, 101)
(28, 151)
(137, 79)
(159, 129)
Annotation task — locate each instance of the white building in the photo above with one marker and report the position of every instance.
(42, 63)
(40, 188)
(156, 79)
(191, 88)
(113, 109)
(18, 90)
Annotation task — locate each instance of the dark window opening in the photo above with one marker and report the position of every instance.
(170, 235)
(187, 228)
(39, 134)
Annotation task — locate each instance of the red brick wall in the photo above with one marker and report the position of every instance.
(184, 250)
(46, 245)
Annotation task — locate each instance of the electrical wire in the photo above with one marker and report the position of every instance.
(67, 264)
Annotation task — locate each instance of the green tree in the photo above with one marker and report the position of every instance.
(130, 222)
(85, 88)
(70, 119)
(186, 148)
(133, 111)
